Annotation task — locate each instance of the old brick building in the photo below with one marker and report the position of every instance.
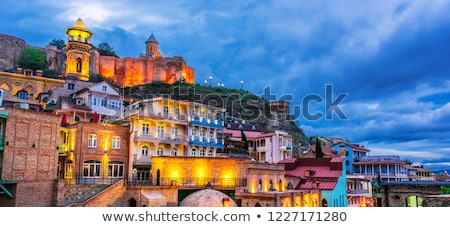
(29, 159)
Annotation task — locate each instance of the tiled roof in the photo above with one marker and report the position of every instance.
(319, 172)
(355, 146)
(248, 134)
(380, 162)
(319, 185)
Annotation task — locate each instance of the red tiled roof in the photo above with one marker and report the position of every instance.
(321, 185)
(248, 134)
(380, 162)
(288, 160)
(320, 172)
(355, 146)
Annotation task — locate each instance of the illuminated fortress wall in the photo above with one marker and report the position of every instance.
(137, 71)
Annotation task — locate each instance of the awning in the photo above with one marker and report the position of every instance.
(3, 188)
(4, 114)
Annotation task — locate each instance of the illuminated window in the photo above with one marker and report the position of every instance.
(79, 63)
(116, 142)
(92, 140)
(160, 151)
(91, 168)
(144, 151)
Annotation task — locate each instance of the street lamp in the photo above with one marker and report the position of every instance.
(241, 82)
(210, 80)
(206, 81)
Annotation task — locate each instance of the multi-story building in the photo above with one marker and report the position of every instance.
(28, 157)
(158, 127)
(353, 153)
(359, 191)
(93, 153)
(326, 176)
(387, 167)
(205, 128)
(264, 146)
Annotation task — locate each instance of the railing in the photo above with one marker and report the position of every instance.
(357, 191)
(134, 180)
(196, 119)
(77, 178)
(204, 140)
(165, 138)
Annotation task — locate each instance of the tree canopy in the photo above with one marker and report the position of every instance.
(59, 43)
(105, 49)
(32, 58)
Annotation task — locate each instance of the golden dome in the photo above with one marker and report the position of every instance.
(79, 24)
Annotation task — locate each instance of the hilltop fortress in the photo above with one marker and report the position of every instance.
(79, 59)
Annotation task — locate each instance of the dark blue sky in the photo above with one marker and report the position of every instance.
(390, 59)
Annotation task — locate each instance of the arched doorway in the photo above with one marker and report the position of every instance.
(158, 177)
(132, 202)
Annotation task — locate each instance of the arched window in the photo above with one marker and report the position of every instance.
(160, 151)
(144, 151)
(290, 186)
(174, 151)
(79, 64)
(210, 153)
(193, 152)
(202, 152)
(260, 184)
(22, 95)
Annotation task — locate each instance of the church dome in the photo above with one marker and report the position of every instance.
(208, 198)
(79, 24)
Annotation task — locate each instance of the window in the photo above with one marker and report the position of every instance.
(160, 131)
(174, 151)
(22, 95)
(90, 100)
(166, 111)
(194, 131)
(92, 140)
(145, 129)
(160, 151)
(79, 101)
(91, 168)
(202, 152)
(71, 86)
(210, 153)
(79, 64)
(104, 88)
(104, 102)
(116, 142)
(174, 133)
(144, 151)
(193, 152)
(115, 169)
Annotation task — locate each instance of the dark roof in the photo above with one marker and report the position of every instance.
(151, 39)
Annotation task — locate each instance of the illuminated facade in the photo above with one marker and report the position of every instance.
(78, 51)
(159, 127)
(93, 153)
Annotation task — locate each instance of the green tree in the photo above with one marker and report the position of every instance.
(32, 58)
(59, 43)
(105, 49)
(244, 139)
(319, 152)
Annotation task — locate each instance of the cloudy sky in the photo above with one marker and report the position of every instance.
(385, 63)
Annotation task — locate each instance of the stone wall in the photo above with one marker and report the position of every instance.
(395, 195)
(10, 49)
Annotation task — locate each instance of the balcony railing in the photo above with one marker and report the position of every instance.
(357, 191)
(134, 180)
(203, 140)
(165, 138)
(201, 120)
(77, 178)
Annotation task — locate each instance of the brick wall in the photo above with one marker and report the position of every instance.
(34, 168)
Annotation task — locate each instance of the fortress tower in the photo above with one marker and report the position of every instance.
(78, 48)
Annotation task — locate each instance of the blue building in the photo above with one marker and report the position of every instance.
(353, 153)
(205, 130)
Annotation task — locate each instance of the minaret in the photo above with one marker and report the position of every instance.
(78, 47)
(151, 47)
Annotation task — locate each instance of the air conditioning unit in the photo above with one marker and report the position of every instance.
(22, 105)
